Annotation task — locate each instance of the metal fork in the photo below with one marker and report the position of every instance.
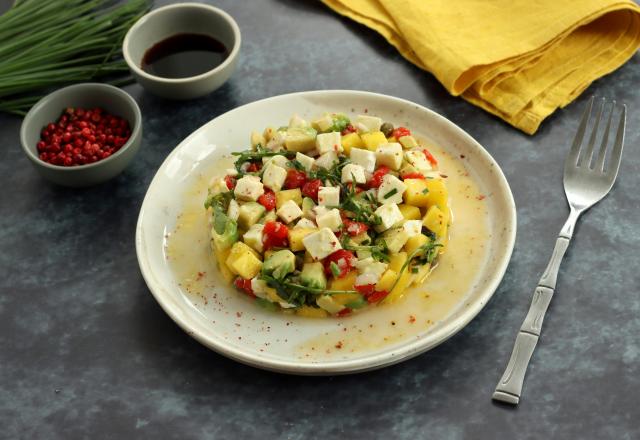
(585, 183)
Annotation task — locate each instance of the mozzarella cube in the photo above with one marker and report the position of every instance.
(233, 212)
(351, 172)
(321, 244)
(368, 123)
(320, 210)
(231, 172)
(366, 278)
(276, 143)
(369, 265)
(289, 211)
(418, 160)
(278, 159)
(389, 155)
(327, 160)
(324, 123)
(305, 223)
(328, 196)
(413, 227)
(259, 288)
(326, 142)
(297, 122)
(390, 215)
(274, 176)
(306, 161)
(248, 188)
(391, 189)
(253, 237)
(330, 219)
(365, 158)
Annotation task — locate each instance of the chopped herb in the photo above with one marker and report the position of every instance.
(391, 193)
(426, 190)
(249, 155)
(335, 270)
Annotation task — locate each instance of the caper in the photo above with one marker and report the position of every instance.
(386, 129)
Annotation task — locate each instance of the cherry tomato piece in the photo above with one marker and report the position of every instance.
(432, 160)
(354, 228)
(274, 234)
(268, 199)
(245, 286)
(412, 176)
(295, 179)
(311, 188)
(254, 167)
(376, 296)
(400, 132)
(230, 181)
(343, 260)
(376, 179)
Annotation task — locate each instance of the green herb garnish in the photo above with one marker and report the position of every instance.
(390, 193)
(335, 270)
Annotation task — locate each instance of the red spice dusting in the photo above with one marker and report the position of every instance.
(82, 136)
(348, 129)
(432, 160)
(339, 345)
(412, 176)
(412, 319)
(481, 197)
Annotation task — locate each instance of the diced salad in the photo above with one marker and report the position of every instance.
(330, 216)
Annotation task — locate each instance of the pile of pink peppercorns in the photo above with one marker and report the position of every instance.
(82, 136)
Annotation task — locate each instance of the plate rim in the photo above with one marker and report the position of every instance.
(375, 361)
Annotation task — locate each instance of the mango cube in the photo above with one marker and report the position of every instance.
(373, 139)
(295, 238)
(416, 193)
(243, 261)
(415, 242)
(386, 280)
(410, 212)
(283, 197)
(221, 257)
(345, 283)
(351, 140)
(434, 220)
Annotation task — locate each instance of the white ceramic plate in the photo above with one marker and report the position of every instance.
(185, 282)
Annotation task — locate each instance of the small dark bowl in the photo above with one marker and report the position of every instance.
(87, 95)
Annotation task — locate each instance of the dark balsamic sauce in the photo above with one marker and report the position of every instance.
(184, 55)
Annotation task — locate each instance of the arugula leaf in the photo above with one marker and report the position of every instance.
(295, 293)
(219, 203)
(340, 122)
(259, 153)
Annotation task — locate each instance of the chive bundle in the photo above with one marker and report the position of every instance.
(45, 44)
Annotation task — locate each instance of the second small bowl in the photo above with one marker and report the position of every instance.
(180, 18)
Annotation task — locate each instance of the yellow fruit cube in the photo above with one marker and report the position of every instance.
(221, 257)
(351, 140)
(345, 298)
(311, 312)
(410, 212)
(373, 139)
(283, 197)
(434, 221)
(295, 237)
(438, 194)
(392, 139)
(243, 261)
(408, 142)
(386, 280)
(257, 139)
(403, 282)
(443, 240)
(345, 283)
(415, 242)
(416, 193)
(396, 261)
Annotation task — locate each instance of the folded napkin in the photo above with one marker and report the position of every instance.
(517, 59)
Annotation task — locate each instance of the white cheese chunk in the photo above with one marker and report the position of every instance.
(321, 244)
(365, 158)
(231, 172)
(413, 227)
(330, 219)
(351, 172)
(326, 142)
(289, 211)
(368, 123)
(320, 210)
(366, 278)
(327, 160)
(306, 161)
(253, 237)
(276, 143)
(259, 288)
(390, 215)
(234, 210)
(305, 223)
(274, 177)
(389, 155)
(329, 304)
(329, 196)
(248, 188)
(323, 123)
(278, 159)
(369, 265)
(418, 160)
(297, 122)
(391, 189)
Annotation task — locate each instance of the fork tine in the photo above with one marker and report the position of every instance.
(572, 158)
(616, 154)
(599, 166)
(586, 157)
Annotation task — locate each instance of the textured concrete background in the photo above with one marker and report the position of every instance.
(87, 353)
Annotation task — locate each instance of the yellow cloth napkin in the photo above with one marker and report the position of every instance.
(518, 59)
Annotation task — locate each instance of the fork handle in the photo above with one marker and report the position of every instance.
(509, 387)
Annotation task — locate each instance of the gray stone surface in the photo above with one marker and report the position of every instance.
(86, 352)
